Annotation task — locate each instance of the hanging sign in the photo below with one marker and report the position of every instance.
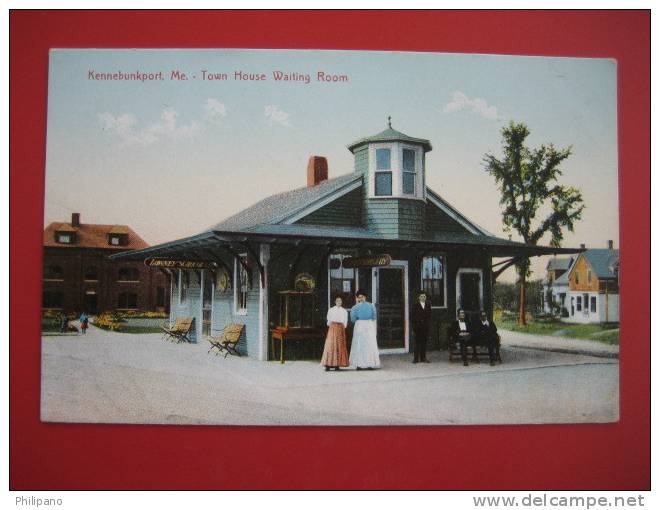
(180, 264)
(368, 261)
(223, 281)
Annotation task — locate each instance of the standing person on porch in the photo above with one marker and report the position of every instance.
(364, 349)
(335, 354)
(421, 321)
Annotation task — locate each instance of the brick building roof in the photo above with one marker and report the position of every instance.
(90, 235)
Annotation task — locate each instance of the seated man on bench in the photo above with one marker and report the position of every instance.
(462, 332)
(487, 335)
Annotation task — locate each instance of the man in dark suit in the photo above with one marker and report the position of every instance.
(487, 331)
(463, 332)
(421, 322)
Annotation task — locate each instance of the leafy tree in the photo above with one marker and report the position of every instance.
(527, 180)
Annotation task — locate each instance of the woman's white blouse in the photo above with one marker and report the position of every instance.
(338, 314)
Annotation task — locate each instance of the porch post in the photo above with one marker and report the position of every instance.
(264, 255)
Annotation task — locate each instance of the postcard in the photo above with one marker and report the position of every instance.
(289, 237)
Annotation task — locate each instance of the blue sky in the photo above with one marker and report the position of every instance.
(172, 157)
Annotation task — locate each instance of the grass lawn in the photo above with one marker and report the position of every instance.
(605, 333)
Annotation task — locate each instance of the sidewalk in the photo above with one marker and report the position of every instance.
(558, 344)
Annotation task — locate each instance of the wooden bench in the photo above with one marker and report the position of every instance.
(227, 340)
(179, 331)
(476, 349)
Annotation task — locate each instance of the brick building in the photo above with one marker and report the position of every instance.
(77, 274)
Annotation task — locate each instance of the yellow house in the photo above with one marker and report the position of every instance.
(593, 286)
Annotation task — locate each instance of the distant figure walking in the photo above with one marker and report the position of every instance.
(335, 354)
(364, 349)
(84, 321)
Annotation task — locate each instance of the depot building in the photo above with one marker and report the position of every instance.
(277, 265)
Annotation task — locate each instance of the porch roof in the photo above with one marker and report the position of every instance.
(201, 246)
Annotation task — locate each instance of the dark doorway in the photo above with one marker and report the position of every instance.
(469, 283)
(91, 303)
(391, 333)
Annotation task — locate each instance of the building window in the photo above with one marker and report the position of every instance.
(184, 282)
(433, 279)
(128, 274)
(383, 176)
(342, 280)
(51, 299)
(64, 238)
(127, 300)
(578, 303)
(160, 297)
(241, 277)
(409, 171)
(589, 276)
(577, 278)
(91, 274)
(593, 304)
(114, 240)
(53, 272)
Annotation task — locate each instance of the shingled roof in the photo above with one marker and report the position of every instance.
(390, 135)
(92, 236)
(275, 208)
(603, 261)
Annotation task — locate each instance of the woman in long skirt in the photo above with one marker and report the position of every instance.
(364, 349)
(335, 354)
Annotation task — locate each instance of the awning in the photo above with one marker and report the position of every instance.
(209, 245)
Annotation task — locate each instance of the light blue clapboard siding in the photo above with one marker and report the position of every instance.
(223, 311)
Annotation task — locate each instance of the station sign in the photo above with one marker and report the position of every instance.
(367, 261)
(180, 264)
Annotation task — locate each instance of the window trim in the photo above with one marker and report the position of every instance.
(68, 235)
(444, 277)
(238, 267)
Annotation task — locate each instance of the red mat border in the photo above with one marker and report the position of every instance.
(58, 456)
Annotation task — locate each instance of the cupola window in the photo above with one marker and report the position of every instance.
(409, 171)
(383, 172)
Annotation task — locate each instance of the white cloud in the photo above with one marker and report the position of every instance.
(126, 127)
(214, 110)
(460, 101)
(274, 114)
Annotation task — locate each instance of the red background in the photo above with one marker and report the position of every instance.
(59, 456)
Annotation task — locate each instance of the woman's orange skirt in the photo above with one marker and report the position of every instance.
(334, 351)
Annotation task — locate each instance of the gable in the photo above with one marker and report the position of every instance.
(439, 221)
(344, 211)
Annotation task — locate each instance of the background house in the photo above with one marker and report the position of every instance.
(78, 275)
(589, 288)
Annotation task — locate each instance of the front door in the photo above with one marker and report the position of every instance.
(91, 303)
(391, 305)
(469, 290)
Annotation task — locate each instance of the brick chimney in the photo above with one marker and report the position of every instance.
(317, 170)
(582, 246)
(610, 244)
(75, 219)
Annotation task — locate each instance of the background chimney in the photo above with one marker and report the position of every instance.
(582, 246)
(75, 219)
(317, 170)
(610, 244)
